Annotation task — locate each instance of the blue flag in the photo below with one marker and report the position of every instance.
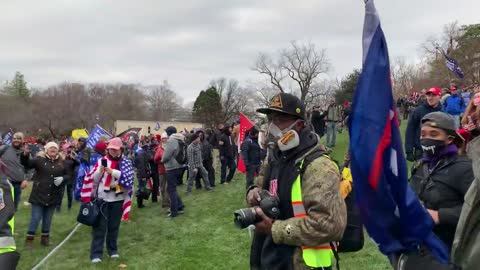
(390, 210)
(97, 132)
(453, 66)
(8, 138)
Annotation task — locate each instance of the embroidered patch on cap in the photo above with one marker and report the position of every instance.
(298, 110)
(276, 102)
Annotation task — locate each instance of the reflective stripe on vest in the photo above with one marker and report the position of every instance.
(315, 256)
(7, 243)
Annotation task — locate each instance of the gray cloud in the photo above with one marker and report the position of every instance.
(189, 42)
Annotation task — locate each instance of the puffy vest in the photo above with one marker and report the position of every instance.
(314, 256)
(7, 242)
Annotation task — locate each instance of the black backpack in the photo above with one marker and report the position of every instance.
(181, 156)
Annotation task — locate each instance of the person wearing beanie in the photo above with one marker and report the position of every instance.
(47, 192)
(162, 173)
(101, 148)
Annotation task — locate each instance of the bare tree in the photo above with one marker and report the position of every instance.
(273, 70)
(234, 98)
(301, 63)
(162, 102)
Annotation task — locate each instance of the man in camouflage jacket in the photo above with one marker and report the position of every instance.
(277, 243)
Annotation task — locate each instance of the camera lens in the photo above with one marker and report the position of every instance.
(244, 217)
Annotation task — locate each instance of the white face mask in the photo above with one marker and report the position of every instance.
(287, 138)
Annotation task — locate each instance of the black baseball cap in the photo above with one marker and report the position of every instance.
(442, 121)
(286, 104)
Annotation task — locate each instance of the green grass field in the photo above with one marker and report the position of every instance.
(203, 238)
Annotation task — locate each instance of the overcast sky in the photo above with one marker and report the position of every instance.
(190, 42)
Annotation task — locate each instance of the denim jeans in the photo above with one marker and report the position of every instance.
(43, 214)
(106, 229)
(176, 203)
(230, 163)
(331, 134)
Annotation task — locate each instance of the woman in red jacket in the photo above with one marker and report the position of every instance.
(162, 172)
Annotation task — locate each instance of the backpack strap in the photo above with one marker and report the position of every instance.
(306, 161)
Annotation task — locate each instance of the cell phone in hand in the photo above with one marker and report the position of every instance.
(104, 162)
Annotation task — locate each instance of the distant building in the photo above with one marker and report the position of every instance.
(122, 125)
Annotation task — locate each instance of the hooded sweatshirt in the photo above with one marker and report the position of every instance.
(11, 169)
(171, 150)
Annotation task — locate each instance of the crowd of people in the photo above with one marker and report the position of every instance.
(311, 190)
(106, 174)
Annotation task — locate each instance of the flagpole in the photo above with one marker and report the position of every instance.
(437, 47)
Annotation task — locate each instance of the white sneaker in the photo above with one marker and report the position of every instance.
(114, 256)
(96, 260)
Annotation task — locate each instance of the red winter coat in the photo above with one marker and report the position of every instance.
(158, 160)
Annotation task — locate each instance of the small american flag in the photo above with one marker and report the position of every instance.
(8, 138)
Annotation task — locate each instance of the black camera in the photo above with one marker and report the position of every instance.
(248, 216)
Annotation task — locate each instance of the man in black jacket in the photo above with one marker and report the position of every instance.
(142, 164)
(207, 157)
(226, 148)
(252, 155)
(318, 121)
(413, 148)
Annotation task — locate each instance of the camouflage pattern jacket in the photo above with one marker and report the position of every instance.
(326, 211)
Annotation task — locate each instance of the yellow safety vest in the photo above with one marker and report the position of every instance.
(315, 256)
(7, 243)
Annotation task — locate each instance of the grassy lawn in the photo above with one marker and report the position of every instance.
(203, 238)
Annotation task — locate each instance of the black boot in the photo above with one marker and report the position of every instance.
(45, 240)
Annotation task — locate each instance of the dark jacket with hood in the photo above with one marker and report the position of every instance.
(414, 126)
(13, 170)
(226, 145)
(44, 191)
(142, 162)
(326, 212)
(441, 184)
(70, 169)
(252, 154)
(318, 122)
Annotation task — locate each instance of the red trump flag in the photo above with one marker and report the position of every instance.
(245, 125)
